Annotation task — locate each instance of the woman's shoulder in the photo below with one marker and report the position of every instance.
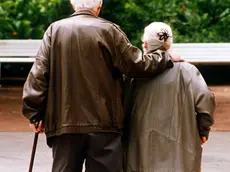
(185, 66)
(187, 70)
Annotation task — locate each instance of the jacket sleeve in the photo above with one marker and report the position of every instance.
(131, 61)
(204, 103)
(36, 85)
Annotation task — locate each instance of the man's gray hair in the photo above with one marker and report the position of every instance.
(88, 4)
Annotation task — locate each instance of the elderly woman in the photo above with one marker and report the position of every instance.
(171, 114)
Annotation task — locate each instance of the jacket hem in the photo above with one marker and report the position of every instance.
(81, 130)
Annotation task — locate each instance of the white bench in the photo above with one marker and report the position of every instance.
(18, 51)
(204, 53)
(23, 51)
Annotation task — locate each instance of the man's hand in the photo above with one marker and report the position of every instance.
(203, 140)
(175, 57)
(40, 128)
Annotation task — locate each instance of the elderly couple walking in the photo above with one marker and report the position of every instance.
(101, 100)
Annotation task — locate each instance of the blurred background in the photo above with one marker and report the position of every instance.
(192, 21)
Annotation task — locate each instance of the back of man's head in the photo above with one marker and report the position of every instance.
(86, 4)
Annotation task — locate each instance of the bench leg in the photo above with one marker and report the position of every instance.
(0, 74)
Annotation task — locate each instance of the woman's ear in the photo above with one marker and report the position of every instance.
(145, 45)
(167, 45)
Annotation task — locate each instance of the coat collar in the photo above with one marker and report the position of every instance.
(83, 12)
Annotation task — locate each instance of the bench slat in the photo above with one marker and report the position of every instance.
(217, 53)
(18, 48)
(17, 60)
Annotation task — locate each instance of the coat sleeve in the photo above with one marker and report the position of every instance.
(36, 85)
(204, 103)
(129, 88)
(131, 61)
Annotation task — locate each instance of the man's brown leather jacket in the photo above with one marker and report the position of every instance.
(75, 84)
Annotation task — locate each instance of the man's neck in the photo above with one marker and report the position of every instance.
(88, 9)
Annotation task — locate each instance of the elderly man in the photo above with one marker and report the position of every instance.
(75, 88)
(171, 114)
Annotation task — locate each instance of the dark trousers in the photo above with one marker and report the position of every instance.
(102, 152)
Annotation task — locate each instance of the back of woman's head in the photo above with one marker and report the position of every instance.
(158, 35)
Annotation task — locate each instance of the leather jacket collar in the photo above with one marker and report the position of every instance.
(82, 12)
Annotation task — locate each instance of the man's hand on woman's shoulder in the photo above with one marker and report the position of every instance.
(175, 57)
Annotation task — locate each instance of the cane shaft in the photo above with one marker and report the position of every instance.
(33, 150)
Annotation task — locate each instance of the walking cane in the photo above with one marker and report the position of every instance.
(34, 148)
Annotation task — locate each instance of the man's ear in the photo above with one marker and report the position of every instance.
(99, 9)
(73, 7)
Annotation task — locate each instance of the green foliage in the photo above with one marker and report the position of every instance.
(192, 21)
(203, 21)
(27, 19)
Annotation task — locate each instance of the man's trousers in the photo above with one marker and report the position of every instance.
(102, 152)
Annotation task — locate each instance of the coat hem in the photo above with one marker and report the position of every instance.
(81, 130)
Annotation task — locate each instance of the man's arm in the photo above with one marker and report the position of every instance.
(204, 103)
(36, 85)
(131, 61)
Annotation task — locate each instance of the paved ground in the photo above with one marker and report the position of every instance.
(15, 150)
(216, 153)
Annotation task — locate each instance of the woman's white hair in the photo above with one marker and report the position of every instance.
(157, 34)
(88, 4)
